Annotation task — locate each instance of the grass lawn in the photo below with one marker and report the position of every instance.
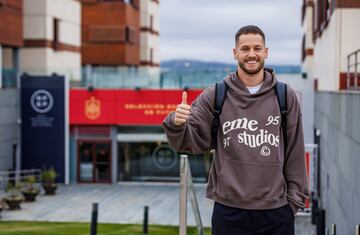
(57, 228)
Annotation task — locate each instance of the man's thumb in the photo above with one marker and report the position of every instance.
(184, 98)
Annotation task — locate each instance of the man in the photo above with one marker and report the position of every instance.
(257, 185)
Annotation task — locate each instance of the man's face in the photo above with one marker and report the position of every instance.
(250, 52)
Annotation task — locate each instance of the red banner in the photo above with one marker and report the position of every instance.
(124, 107)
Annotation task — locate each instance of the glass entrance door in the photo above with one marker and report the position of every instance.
(94, 161)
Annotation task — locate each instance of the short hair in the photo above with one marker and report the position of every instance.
(249, 29)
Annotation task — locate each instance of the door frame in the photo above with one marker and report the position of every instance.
(93, 142)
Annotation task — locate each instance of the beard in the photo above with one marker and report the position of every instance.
(254, 70)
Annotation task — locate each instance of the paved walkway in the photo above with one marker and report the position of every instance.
(122, 203)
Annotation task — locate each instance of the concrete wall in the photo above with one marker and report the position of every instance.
(148, 8)
(147, 39)
(349, 35)
(47, 61)
(8, 126)
(326, 65)
(336, 116)
(38, 20)
(307, 26)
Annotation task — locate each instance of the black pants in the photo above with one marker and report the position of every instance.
(234, 221)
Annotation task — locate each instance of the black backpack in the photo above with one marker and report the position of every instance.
(220, 95)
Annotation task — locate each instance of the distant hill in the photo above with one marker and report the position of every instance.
(188, 64)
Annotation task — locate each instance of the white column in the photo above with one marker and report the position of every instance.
(114, 155)
(67, 129)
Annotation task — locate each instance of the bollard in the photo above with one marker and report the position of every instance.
(314, 207)
(357, 229)
(146, 219)
(94, 215)
(320, 222)
(333, 229)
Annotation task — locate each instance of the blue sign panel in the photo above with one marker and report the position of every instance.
(43, 126)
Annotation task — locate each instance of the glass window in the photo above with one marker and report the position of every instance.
(155, 161)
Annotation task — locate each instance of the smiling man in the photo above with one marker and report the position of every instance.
(258, 178)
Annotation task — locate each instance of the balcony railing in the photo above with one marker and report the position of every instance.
(353, 67)
(132, 77)
(15, 177)
(107, 77)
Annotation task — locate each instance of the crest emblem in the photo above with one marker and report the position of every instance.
(42, 101)
(92, 108)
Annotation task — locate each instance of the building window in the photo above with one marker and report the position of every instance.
(130, 35)
(56, 34)
(322, 13)
(135, 3)
(151, 22)
(303, 48)
(151, 56)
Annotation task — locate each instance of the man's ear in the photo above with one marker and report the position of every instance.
(234, 53)
(266, 52)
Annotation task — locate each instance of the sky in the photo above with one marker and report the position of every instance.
(205, 29)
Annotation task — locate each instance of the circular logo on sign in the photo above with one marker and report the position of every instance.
(164, 157)
(42, 101)
(265, 151)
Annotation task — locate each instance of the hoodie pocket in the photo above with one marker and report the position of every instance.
(249, 181)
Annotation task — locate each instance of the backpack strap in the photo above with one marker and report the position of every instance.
(220, 95)
(281, 94)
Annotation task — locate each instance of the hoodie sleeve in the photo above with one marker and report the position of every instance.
(195, 135)
(294, 166)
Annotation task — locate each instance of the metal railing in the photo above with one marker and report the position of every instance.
(350, 65)
(186, 186)
(333, 231)
(15, 177)
(311, 159)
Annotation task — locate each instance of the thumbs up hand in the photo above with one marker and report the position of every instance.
(182, 111)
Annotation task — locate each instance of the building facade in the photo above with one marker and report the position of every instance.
(331, 57)
(120, 43)
(94, 43)
(11, 39)
(116, 135)
(329, 43)
(110, 33)
(52, 39)
(149, 33)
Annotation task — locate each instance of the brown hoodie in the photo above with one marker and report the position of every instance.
(250, 170)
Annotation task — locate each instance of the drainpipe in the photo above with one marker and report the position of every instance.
(1, 66)
(15, 58)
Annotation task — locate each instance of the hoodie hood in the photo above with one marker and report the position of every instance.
(238, 87)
